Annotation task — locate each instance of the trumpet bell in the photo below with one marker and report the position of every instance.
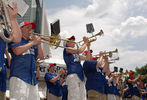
(116, 50)
(93, 37)
(101, 33)
(54, 41)
(109, 54)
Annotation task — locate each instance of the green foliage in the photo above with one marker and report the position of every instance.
(142, 70)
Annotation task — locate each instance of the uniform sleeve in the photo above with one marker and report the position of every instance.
(48, 77)
(90, 66)
(15, 44)
(10, 45)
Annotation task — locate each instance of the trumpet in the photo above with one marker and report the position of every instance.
(109, 54)
(113, 60)
(53, 40)
(5, 24)
(92, 38)
(121, 74)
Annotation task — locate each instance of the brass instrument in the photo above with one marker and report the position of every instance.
(109, 54)
(126, 73)
(53, 40)
(113, 60)
(123, 73)
(120, 74)
(92, 38)
(4, 21)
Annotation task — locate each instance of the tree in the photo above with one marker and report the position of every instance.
(142, 71)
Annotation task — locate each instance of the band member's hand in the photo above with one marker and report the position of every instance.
(106, 57)
(13, 11)
(37, 63)
(101, 53)
(88, 44)
(85, 39)
(36, 40)
(60, 72)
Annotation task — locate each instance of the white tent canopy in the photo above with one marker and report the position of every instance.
(54, 60)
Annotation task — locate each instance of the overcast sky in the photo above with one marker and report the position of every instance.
(124, 23)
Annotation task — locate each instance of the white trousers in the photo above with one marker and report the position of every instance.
(20, 90)
(76, 88)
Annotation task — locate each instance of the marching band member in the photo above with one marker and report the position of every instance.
(86, 52)
(117, 90)
(15, 37)
(132, 84)
(54, 83)
(95, 80)
(64, 86)
(75, 76)
(23, 82)
(110, 87)
(143, 90)
(93, 71)
(126, 93)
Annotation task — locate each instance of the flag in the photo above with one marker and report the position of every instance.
(45, 31)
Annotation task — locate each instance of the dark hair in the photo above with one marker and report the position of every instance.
(48, 70)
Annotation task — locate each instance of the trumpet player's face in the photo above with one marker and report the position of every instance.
(71, 44)
(25, 30)
(52, 69)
